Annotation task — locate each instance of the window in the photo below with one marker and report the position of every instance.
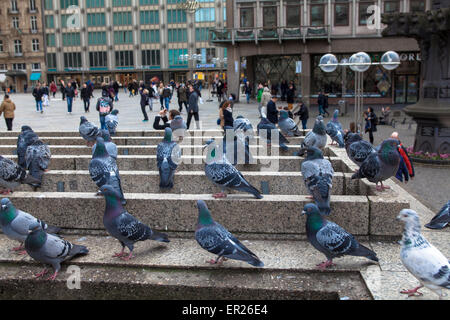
(177, 16)
(317, 15)
(50, 40)
(417, 5)
(150, 36)
(97, 37)
(224, 13)
(1, 45)
(14, 5)
(147, 2)
(246, 17)
(15, 22)
(72, 59)
(205, 15)
(207, 54)
(36, 66)
(201, 34)
(64, 4)
(124, 58)
(391, 6)
(174, 57)
(122, 37)
(71, 39)
(32, 5)
(175, 1)
(95, 3)
(35, 45)
(149, 17)
(98, 59)
(33, 23)
(363, 14)
(293, 14)
(48, 4)
(270, 15)
(122, 18)
(177, 35)
(3, 66)
(51, 60)
(121, 3)
(95, 19)
(19, 66)
(18, 47)
(49, 21)
(151, 58)
(341, 14)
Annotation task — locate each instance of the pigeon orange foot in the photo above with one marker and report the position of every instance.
(220, 195)
(413, 292)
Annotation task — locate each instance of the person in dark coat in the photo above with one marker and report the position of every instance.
(62, 87)
(272, 111)
(115, 86)
(37, 94)
(144, 102)
(70, 94)
(371, 123)
(290, 96)
(303, 114)
(283, 88)
(321, 102)
(193, 107)
(85, 95)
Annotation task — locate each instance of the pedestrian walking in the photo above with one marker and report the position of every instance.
(321, 102)
(70, 94)
(53, 88)
(193, 108)
(182, 97)
(45, 95)
(160, 93)
(7, 108)
(144, 102)
(37, 94)
(166, 96)
(265, 99)
(115, 86)
(259, 95)
(86, 97)
(290, 96)
(272, 111)
(303, 113)
(325, 105)
(104, 107)
(25, 87)
(248, 91)
(371, 123)
(62, 88)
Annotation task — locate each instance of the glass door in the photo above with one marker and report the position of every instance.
(406, 88)
(400, 89)
(412, 94)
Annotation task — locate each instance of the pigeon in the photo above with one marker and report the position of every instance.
(317, 137)
(265, 129)
(318, 173)
(335, 120)
(331, 239)
(15, 223)
(223, 174)
(50, 249)
(111, 147)
(357, 148)
(336, 134)
(111, 122)
(440, 220)
(238, 146)
(288, 126)
(178, 127)
(242, 126)
(168, 156)
(214, 238)
(37, 160)
(88, 131)
(103, 169)
(123, 226)
(423, 260)
(25, 138)
(11, 175)
(381, 165)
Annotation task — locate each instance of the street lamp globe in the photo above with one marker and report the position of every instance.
(390, 60)
(360, 62)
(328, 62)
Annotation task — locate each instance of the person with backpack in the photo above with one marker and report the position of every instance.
(166, 93)
(104, 107)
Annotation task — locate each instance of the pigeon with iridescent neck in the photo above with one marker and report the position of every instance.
(214, 238)
(334, 130)
(317, 137)
(287, 125)
(111, 121)
(15, 223)
(330, 239)
(168, 155)
(110, 145)
(423, 260)
(50, 249)
(223, 174)
(123, 226)
(357, 149)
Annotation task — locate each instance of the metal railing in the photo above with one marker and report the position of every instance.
(263, 34)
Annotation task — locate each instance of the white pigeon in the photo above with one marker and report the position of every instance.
(422, 259)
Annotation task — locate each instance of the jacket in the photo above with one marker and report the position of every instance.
(7, 108)
(70, 92)
(104, 100)
(37, 94)
(272, 112)
(290, 95)
(193, 102)
(182, 94)
(85, 93)
(156, 124)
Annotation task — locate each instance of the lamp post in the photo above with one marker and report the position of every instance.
(359, 63)
(190, 57)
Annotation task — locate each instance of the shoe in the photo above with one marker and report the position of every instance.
(145, 120)
(42, 111)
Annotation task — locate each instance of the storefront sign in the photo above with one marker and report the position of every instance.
(415, 56)
(200, 65)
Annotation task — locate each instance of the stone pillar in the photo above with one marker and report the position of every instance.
(233, 76)
(305, 78)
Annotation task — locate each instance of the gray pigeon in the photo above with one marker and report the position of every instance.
(11, 175)
(168, 155)
(88, 131)
(214, 238)
(37, 160)
(111, 122)
(123, 226)
(422, 259)
(242, 125)
(25, 138)
(318, 174)
(331, 239)
(288, 126)
(178, 127)
(317, 137)
(335, 120)
(381, 165)
(357, 148)
(111, 147)
(440, 220)
(15, 223)
(50, 249)
(336, 134)
(103, 169)
(265, 129)
(223, 174)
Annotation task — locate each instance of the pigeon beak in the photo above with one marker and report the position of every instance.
(303, 213)
(3, 206)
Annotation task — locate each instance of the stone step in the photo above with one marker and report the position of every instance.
(178, 270)
(276, 214)
(194, 182)
(194, 162)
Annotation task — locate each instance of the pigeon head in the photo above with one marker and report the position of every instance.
(204, 215)
(115, 112)
(310, 209)
(239, 117)
(112, 197)
(409, 217)
(314, 153)
(335, 115)
(351, 137)
(35, 226)
(319, 126)
(105, 135)
(389, 150)
(7, 211)
(26, 128)
(167, 134)
(100, 149)
(83, 119)
(36, 237)
(6, 204)
(284, 114)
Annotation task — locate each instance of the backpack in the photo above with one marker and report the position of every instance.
(104, 107)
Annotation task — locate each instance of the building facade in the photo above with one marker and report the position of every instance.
(276, 40)
(122, 40)
(22, 58)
